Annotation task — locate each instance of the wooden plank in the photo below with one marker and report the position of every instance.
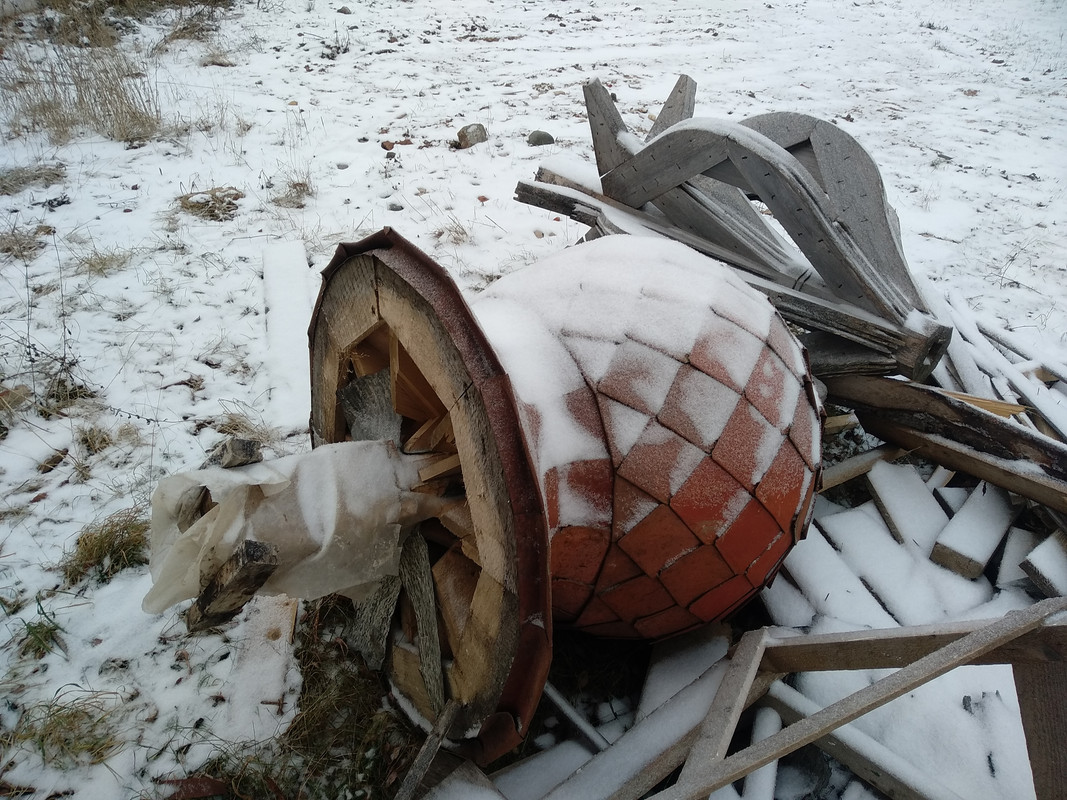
(605, 126)
(869, 759)
(839, 422)
(417, 580)
(680, 104)
(831, 356)
(240, 575)
(442, 437)
(580, 723)
(957, 435)
(859, 464)
(1047, 565)
(973, 534)
(420, 440)
(759, 785)
(425, 756)
(371, 353)
(455, 578)
(908, 506)
(413, 397)
(891, 648)
(630, 767)
(1017, 545)
(443, 467)
(962, 651)
(718, 727)
(1041, 689)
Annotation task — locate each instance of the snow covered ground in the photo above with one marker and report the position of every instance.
(962, 105)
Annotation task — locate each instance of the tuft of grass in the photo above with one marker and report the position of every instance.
(41, 635)
(20, 243)
(102, 261)
(218, 204)
(73, 89)
(295, 195)
(94, 438)
(107, 547)
(15, 179)
(73, 729)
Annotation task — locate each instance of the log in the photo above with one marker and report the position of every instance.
(233, 585)
(955, 434)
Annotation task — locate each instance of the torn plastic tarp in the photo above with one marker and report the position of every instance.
(337, 516)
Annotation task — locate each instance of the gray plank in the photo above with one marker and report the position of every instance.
(680, 104)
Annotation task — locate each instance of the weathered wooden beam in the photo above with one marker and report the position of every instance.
(857, 465)
(956, 434)
(718, 727)
(417, 580)
(233, 585)
(605, 126)
(417, 770)
(891, 648)
(680, 104)
(970, 538)
(808, 730)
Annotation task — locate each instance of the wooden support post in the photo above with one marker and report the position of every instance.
(1042, 689)
(709, 777)
(233, 585)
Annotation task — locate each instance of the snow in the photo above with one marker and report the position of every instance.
(960, 105)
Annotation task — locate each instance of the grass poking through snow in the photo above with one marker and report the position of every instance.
(108, 547)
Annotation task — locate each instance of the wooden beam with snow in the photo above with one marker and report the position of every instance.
(859, 464)
(1046, 565)
(956, 434)
(233, 585)
(970, 538)
(709, 777)
(891, 648)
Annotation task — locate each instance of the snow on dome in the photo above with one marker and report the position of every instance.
(672, 424)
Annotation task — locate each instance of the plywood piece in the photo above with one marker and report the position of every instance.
(971, 537)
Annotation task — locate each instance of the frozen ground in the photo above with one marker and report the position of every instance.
(962, 105)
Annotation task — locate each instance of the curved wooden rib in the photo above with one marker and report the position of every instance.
(704, 146)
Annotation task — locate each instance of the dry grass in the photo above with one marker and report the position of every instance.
(73, 729)
(101, 261)
(15, 179)
(218, 204)
(20, 243)
(72, 89)
(341, 743)
(108, 547)
(94, 439)
(294, 196)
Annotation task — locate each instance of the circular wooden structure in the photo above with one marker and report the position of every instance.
(627, 436)
(387, 313)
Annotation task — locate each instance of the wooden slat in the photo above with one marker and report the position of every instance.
(680, 104)
(859, 464)
(718, 727)
(970, 538)
(605, 126)
(455, 578)
(417, 580)
(410, 785)
(957, 435)
(869, 759)
(897, 647)
(962, 651)
(413, 397)
(444, 467)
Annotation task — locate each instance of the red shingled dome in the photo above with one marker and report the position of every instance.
(672, 423)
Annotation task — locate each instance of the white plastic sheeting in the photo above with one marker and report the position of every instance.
(336, 516)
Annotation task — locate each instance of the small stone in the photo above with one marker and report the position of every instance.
(539, 138)
(387, 145)
(471, 135)
(344, 10)
(395, 207)
(342, 165)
